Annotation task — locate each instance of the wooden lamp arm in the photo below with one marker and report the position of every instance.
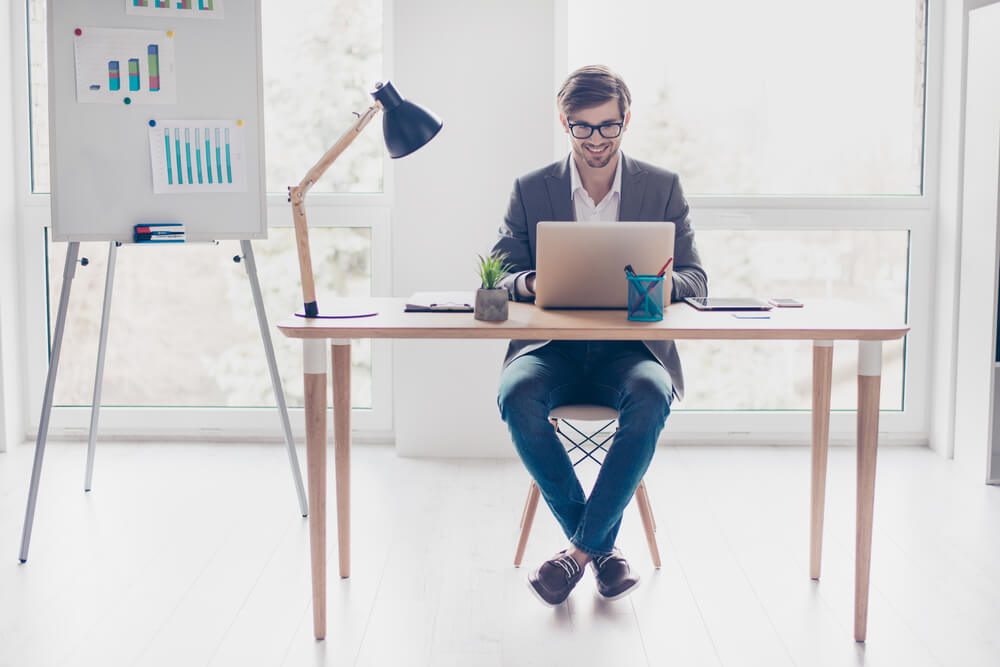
(297, 197)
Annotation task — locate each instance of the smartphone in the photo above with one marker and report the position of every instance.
(785, 303)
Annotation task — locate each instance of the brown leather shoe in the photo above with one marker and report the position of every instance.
(615, 578)
(554, 580)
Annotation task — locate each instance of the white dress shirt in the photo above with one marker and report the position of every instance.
(585, 210)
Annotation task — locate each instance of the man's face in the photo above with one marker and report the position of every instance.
(596, 151)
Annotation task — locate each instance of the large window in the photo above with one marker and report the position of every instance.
(776, 97)
(867, 268)
(170, 305)
(804, 124)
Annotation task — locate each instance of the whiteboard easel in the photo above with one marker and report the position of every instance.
(101, 157)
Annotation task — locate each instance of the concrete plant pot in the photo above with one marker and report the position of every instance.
(491, 304)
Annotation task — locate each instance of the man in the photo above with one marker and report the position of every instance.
(596, 182)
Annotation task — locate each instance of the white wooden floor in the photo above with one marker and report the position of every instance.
(188, 554)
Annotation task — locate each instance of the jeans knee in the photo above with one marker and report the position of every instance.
(650, 396)
(518, 400)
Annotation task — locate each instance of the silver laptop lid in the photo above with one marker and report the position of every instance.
(582, 264)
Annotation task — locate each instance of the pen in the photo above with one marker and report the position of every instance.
(665, 267)
(649, 287)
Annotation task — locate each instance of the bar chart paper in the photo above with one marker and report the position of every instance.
(116, 66)
(197, 156)
(192, 9)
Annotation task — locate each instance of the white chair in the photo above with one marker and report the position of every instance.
(586, 447)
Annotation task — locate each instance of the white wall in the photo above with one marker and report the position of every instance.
(11, 419)
(486, 69)
(978, 272)
(949, 228)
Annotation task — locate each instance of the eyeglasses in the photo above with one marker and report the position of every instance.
(585, 130)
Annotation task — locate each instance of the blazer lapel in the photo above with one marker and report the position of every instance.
(633, 190)
(560, 198)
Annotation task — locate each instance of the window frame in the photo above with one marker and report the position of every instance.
(370, 210)
(916, 214)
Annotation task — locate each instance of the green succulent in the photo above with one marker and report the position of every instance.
(492, 269)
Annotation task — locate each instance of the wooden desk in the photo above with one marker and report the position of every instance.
(820, 322)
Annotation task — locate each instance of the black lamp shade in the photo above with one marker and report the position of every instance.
(405, 125)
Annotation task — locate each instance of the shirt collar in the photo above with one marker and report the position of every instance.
(575, 183)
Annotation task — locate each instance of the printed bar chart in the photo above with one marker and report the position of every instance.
(114, 75)
(133, 74)
(166, 152)
(197, 150)
(153, 51)
(202, 9)
(149, 61)
(208, 156)
(229, 164)
(197, 156)
(218, 156)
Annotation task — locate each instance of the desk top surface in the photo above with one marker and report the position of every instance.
(817, 320)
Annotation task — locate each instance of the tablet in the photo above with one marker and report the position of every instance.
(713, 303)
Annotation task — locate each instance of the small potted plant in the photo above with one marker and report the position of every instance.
(491, 300)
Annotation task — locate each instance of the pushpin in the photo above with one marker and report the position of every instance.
(239, 123)
(77, 32)
(170, 33)
(152, 123)
(127, 100)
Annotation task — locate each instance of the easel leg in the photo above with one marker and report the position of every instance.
(272, 366)
(72, 252)
(102, 346)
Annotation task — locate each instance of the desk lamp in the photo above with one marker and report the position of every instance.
(406, 128)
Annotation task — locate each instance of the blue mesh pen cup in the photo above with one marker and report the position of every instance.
(645, 298)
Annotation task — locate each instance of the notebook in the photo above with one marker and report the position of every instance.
(440, 302)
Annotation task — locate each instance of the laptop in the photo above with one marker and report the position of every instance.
(582, 264)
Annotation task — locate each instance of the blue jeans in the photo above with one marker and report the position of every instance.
(620, 374)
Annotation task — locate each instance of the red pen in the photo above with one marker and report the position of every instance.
(665, 267)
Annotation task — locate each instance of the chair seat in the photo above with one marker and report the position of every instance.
(583, 412)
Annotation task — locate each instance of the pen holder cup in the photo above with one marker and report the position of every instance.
(645, 298)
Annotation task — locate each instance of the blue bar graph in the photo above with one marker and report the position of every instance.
(166, 144)
(177, 149)
(208, 156)
(229, 164)
(197, 151)
(218, 155)
(187, 150)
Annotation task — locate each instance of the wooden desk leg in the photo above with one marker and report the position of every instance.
(314, 367)
(869, 386)
(822, 379)
(342, 449)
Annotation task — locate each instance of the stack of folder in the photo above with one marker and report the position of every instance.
(159, 232)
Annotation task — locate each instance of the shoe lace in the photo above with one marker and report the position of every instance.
(568, 564)
(601, 560)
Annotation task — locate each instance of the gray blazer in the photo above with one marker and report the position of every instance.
(648, 194)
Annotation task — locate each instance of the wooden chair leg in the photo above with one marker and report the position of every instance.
(526, 520)
(645, 511)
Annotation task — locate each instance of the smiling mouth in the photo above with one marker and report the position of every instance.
(596, 151)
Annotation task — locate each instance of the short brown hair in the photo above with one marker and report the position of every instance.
(591, 86)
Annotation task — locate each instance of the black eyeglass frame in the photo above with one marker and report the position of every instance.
(600, 129)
